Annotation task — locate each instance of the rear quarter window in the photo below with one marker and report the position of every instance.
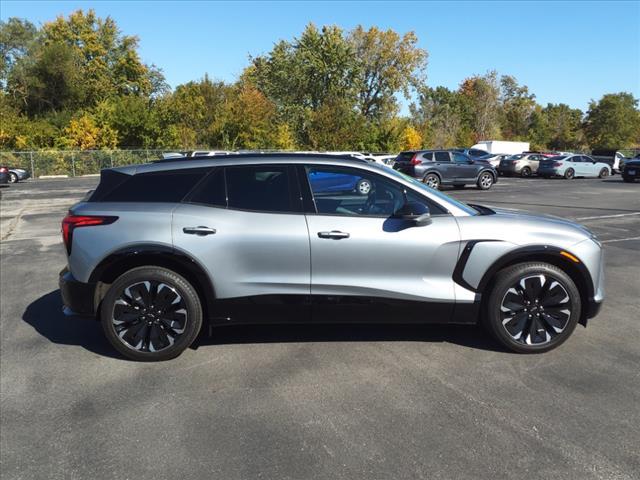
(169, 186)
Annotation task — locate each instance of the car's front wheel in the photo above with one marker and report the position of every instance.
(363, 187)
(533, 307)
(525, 172)
(485, 181)
(151, 313)
(604, 173)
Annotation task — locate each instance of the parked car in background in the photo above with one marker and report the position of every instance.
(571, 166)
(250, 239)
(631, 170)
(523, 164)
(446, 167)
(474, 153)
(17, 175)
(386, 159)
(613, 158)
(497, 146)
(4, 175)
(495, 159)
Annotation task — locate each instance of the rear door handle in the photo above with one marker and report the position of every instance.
(335, 234)
(201, 231)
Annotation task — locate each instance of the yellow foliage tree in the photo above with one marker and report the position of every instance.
(85, 134)
(410, 139)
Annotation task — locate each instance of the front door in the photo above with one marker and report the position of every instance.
(367, 265)
(465, 169)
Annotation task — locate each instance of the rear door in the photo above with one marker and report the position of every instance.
(245, 226)
(367, 265)
(445, 166)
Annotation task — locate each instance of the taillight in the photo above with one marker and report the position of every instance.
(71, 222)
(414, 159)
(557, 164)
(4, 169)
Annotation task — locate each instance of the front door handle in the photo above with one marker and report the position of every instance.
(201, 231)
(335, 234)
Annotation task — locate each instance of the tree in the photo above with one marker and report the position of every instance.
(613, 122)
(518, 106)
(386, 65)
(16, 36)
(411, 139)
(439, 114)
(557, 127)
(481, 96)
(86, 134)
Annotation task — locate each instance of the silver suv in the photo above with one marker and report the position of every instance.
(157, 251)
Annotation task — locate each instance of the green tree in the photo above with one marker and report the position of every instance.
(16, 36)
(613, 121)
(557, 127)
(518, 106)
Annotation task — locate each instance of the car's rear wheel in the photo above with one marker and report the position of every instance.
(569, 174)
(533, 307)
(485, 181)
(151, 313)
(432, 180)
(604, 173)
(525, 172)
(13, 178)
(363, 187)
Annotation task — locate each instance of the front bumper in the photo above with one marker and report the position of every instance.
(77, 297)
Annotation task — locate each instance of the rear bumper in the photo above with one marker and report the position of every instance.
(406, 169)
(77, 297)
(4, 178)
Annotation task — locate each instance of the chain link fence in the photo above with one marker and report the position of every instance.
(75, 163)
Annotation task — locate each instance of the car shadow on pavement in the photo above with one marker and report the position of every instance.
(471, 336)
(46, 317)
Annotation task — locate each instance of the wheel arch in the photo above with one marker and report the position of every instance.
(547, 254)
(120, 261)
(432, 170)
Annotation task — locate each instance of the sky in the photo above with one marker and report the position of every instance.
(565, 52)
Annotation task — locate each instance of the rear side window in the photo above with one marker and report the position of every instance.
(169, 186)
(266, 188)
(428, 156)
(405, 156)
(442, 157)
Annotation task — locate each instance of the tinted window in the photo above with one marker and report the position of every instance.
(442, 156)
(428, 156)
(166, 186)
(477, 153)
(405, 156)
(460, 158)
(211, 191)
(265, 188)
(339, 191)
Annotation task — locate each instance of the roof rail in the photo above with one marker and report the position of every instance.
(285, 155)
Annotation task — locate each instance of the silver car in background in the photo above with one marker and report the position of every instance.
(160, 250)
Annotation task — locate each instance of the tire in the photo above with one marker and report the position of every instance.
(137, 287)
(485, 181)
(533, 329)
(432, 180)
(13, 178)
(569, 174)
(525, 172)
(363, 187)
(604, 173)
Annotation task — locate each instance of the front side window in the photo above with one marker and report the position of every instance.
(265, 188)
(460, 158)
(347, 191)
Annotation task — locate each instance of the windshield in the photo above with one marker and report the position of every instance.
(421, 186)
(515, 157)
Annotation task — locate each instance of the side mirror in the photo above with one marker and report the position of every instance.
(415, 212)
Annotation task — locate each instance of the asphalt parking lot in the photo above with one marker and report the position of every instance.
(339, 402)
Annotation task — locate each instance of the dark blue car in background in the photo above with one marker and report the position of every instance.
(331, 182)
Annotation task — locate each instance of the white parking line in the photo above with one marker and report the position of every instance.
(620, 240)
(608, 216)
